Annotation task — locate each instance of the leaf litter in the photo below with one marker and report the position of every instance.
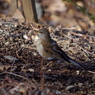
(25, 76)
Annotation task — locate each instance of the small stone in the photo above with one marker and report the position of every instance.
(80, 84)
(49, 70)
(7, 43)
(77, 72)
(25, 37)
(34, 53)
(70, 87)
(58, 93)
(1, 31)
(31, 70)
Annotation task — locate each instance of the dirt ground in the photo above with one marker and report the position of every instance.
(24, 72)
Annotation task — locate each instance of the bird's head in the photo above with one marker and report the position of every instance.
(43, 33)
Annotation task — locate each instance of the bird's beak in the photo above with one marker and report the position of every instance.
(36, 31)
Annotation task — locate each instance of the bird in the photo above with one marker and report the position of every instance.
(49, 49)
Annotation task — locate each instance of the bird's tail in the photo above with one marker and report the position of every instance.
(75, 63)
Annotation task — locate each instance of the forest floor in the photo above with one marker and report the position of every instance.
(24, 72)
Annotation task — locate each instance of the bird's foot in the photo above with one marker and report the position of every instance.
(51, 59)
(59, 61)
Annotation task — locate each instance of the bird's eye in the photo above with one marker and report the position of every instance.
(41, 32)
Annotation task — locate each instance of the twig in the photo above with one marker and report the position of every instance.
(86, 51)
(3, 90)
(42, 75)
(91, 72)
(12, 65)
(48, 64)
(72, 28)
(81, 47)
(34, 28)
(20, 56)
(19, 76)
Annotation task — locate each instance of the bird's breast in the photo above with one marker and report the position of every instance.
(41, 50)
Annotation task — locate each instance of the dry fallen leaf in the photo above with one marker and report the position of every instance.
(10, 58)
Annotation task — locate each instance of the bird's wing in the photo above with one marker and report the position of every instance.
(49, 49)
(59, 51)
(63, 55)
(56, 51)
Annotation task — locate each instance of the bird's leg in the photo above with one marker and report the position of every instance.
(42, 74)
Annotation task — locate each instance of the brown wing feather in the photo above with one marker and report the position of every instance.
(58, 50)
(49, 48)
